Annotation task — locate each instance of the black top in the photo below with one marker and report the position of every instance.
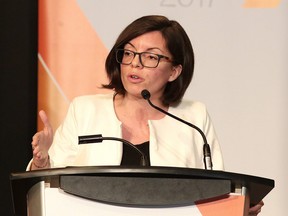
(131, 157)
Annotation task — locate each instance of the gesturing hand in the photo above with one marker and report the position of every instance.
(255, 210)
(41, 143)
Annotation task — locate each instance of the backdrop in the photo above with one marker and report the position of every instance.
(241, 51)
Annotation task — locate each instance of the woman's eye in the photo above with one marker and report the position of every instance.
(152, 57)
(127, 53)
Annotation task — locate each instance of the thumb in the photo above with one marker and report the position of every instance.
(45, 120)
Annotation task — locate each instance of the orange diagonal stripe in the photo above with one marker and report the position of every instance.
(73, 54)
(261, 3)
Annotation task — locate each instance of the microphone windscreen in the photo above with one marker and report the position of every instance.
(145, 94)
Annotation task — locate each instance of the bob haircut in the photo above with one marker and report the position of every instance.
(178, 44)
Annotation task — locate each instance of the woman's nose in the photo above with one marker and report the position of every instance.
(136, 62)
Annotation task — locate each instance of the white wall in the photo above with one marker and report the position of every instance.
(241, 74)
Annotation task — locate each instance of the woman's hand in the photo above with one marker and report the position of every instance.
(41, 143)
(255, 210)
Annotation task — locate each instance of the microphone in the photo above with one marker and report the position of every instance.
(98, 138)
(206, 148)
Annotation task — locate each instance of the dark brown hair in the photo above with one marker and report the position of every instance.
(178, 44)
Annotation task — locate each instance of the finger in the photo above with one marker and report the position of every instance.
(261, 203)
(36, 153)
(36, 137)
(39, 154)
(35, 143)
(45, 120)
(255, 210)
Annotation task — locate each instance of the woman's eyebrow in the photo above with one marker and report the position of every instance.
(153, 48)
(130, 44)
(149, 49)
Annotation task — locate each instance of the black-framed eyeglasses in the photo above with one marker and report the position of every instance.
(147, 59)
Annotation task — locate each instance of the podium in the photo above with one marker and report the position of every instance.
(115, 190)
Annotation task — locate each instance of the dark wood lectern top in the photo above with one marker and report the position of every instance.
(188, 184)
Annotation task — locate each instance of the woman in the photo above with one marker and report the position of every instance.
(151, 53)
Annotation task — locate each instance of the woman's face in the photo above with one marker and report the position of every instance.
(136, 78)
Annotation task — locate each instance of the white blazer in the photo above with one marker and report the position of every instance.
(172, 143)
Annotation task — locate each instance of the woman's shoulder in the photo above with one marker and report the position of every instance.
(187, 105)
(191, 111)
(95, 98)
(92, 102)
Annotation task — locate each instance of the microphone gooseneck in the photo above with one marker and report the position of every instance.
(206, 148)
(88, 139)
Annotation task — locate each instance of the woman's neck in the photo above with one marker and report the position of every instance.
(138, 108)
